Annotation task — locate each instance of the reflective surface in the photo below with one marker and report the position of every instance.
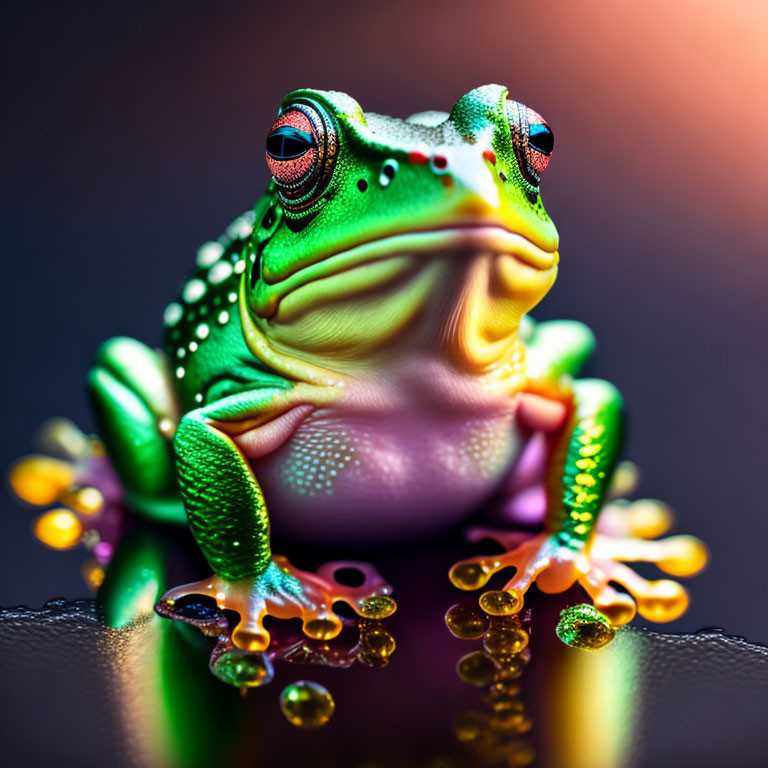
(492, 690)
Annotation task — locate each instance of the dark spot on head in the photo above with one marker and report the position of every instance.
(362, 185)
(502, 176)
(439, 161)
(389, 170)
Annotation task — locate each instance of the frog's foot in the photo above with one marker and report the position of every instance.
(284, 592)
(556, 567)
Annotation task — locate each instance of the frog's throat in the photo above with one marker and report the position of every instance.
(470, 237)
(290, 366)
(480, 335)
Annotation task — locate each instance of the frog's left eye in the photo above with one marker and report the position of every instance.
(301, 151)
(533, 141)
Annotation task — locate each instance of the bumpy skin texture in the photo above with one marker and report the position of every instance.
(355, 355)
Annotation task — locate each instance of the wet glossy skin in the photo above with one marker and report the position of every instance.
(353, 362)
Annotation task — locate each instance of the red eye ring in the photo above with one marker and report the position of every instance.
(301, 154)
(532, 139)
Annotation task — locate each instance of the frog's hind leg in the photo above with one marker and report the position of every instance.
(228, 517)
(573, 548)
(136, 414)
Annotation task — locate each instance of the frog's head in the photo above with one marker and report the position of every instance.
(377, 232)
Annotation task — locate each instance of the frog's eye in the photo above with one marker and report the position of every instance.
(301, 150)
(532, 139)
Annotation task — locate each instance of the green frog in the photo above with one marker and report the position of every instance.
(353, 362)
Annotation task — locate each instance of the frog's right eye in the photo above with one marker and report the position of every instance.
(532, 139)
(301, 151)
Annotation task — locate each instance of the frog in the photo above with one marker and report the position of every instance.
(354, 362)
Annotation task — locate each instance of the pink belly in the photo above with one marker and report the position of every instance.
(366, 478)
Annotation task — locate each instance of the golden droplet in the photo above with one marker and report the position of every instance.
(511, 667)
(41, 480)
(469, 575)
(468, 726)
(84, 501)
(465, 622)
(252, 641)
(93, 574)
(619, 609)
(505, 641)
(377, 645)
(377, 607)
(683, 555)
(503, 688)
(664, 600)
(306, 704)
(649, 518)
(501, 602)
(476, 668)
(323, 628)
(58, 529)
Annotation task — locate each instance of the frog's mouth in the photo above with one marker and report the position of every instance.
(381, 256)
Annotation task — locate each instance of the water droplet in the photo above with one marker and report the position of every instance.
(306, 704)
(465, 622)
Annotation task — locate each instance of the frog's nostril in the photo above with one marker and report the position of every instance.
(388, 172)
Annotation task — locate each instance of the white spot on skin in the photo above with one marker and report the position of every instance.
(240, 267)
(180, 352)
(219, 272)
(240, 227)
(202, 331)
(173, 313)
(193, 291)
(198, 398)
(180, 373)
(232, 297)
(209, 253)
(193, 346)
(223, 317)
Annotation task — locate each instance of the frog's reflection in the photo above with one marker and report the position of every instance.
(581, 697)
(498, 735)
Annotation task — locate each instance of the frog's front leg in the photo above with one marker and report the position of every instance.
(228, 516)
(582, 456)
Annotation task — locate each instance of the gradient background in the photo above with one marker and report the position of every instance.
(133, 131)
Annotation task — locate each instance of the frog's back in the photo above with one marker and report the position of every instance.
(207, 356)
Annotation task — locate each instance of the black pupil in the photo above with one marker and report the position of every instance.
(287, 143)
(541, 138)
